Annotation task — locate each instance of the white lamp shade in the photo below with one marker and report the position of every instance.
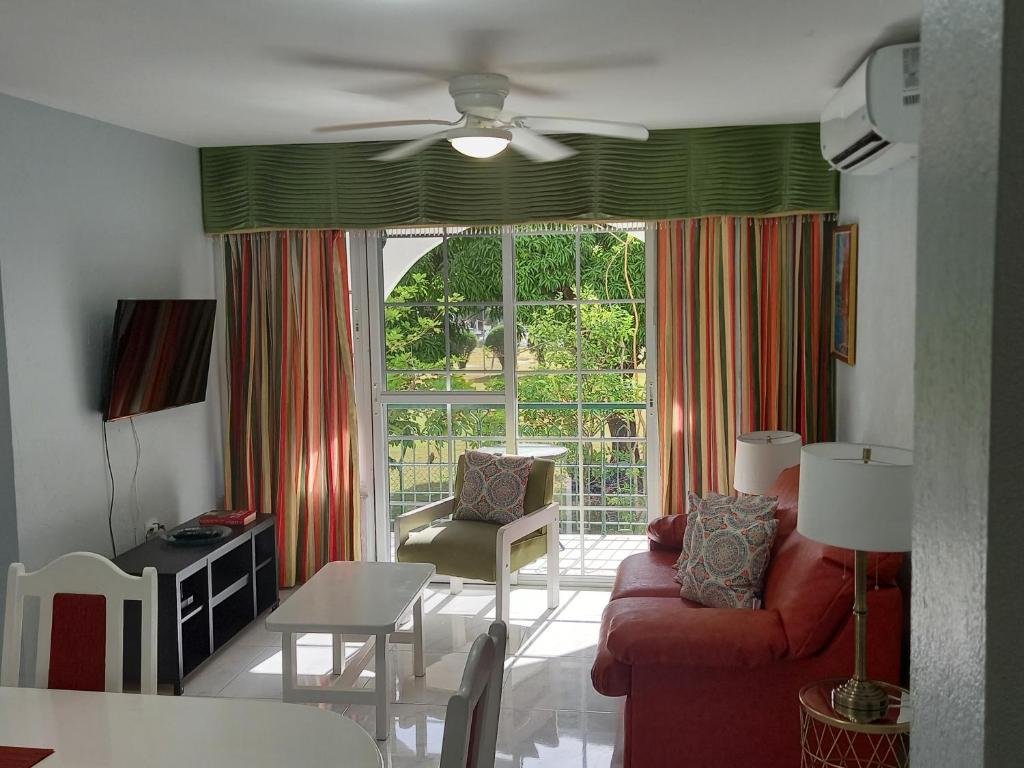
(762, 456)
(847, 502)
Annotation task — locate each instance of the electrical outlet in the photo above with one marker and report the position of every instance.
(153, 528)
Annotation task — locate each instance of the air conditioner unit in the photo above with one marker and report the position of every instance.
(873, 121)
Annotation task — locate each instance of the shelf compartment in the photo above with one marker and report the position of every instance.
(193, 613)
(193, 592)
(266, 588)
(227, 592)
(226, 570)
(195, 644)
(231, 614)
(264, 545)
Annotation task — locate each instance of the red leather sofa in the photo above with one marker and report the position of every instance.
(717, 687)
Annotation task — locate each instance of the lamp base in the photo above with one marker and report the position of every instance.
(861, 701)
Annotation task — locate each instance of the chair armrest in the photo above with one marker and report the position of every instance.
(661, 631)
(666, 533)
(422, 517)
(528, 524)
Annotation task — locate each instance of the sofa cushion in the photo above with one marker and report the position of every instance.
(811, 586)
(647, 574)
(787, 491)
(657, 631)
(467, 548)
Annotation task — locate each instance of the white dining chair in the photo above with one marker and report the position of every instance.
(82, 586)
(473, 710)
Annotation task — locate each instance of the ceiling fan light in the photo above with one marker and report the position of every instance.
(480, 142)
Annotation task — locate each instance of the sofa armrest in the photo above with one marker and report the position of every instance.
(660, 631)
(667, 532)
(424, 516)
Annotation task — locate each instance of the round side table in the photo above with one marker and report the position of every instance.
(829, 740)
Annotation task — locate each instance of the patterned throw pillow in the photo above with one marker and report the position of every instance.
(758, 507)
(728, 558)
(493, 488)
(692, 505)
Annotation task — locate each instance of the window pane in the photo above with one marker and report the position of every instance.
(614, 487)
(414, 338)
(418, 278)
(614, 421)
(547, 388)
(416, 474)
(417, 422)
(478, 382)
(477, 338)
(474, 421)
(615, 388)
(474, 268)
(612, 266)
(548, 421)
(417, 381)
(547, 337)
(613, 335)
(545, 267)
(461, 446)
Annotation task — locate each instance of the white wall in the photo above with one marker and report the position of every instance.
(875, 397)
(90, 213)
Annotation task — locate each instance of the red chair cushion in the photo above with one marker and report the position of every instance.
(78, 642)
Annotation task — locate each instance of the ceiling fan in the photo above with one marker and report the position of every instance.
(485, 130)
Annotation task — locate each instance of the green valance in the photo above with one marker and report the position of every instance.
(751, 170)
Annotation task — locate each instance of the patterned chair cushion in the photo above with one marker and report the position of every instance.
(493, 488)
(727, 550)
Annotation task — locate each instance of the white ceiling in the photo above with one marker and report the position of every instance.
(214, 72)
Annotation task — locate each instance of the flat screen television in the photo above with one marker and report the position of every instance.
(160, 355)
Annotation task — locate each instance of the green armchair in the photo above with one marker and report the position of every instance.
(468, 549)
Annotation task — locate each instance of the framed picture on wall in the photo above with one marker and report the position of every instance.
(844, 293)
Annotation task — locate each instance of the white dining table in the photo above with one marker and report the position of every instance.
(118, 730)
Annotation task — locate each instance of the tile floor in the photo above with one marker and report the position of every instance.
(592, 554)
(551, 715)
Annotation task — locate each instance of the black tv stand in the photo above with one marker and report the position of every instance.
(205, 596)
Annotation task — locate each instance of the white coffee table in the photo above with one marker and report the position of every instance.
(369, 599)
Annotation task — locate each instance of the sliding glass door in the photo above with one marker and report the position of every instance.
(531, 340)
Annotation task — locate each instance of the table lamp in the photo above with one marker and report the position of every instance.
(857, 497)
(762, 456)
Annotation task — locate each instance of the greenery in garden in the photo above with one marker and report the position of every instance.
(417, 320)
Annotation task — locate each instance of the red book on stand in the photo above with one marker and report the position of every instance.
(228, 517)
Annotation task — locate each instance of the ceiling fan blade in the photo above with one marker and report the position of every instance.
(332, 61)
(395, 90)
(380, 124)
(518, 87)
(538, 147)
(409, 148)
(576, 125)
(611, 61)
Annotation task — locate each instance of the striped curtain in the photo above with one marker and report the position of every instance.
(290, 420)
(743, 311)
